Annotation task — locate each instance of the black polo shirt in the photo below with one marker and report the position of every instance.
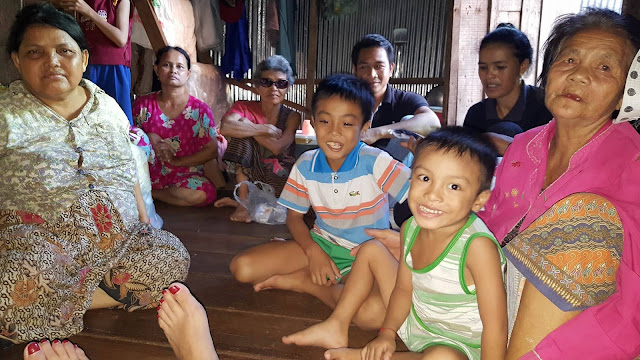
(395, 105)
(528, 112)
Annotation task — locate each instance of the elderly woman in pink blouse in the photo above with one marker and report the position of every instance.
(566, 201)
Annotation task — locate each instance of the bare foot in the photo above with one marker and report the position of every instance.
(342, 354)
(329, 334)
(294, 282)
(58, 350)
(225, 201)
(185, 323)
(241, 215)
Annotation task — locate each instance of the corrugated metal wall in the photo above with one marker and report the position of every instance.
(422, 56)
(615, 5)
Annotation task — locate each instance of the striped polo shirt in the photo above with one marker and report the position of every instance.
(350, 200)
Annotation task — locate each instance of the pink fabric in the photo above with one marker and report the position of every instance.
(102, 50)
(608, 165)
(250, 110)
(189, 133)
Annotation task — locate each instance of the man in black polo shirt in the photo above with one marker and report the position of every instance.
(373, 60)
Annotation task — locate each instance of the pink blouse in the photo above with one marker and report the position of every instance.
(609, 166)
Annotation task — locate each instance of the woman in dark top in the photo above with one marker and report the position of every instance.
(511, 107)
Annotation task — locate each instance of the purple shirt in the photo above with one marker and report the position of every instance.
(609, 166)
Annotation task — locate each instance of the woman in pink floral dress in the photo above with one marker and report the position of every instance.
(182, 134)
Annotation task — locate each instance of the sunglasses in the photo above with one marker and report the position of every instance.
(280, 84)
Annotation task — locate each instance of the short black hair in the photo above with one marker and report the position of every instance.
(461, 141)
(569, 25)
(347, 87)
(369, 41)
(43, 14)
(507, 34)
(166, 49)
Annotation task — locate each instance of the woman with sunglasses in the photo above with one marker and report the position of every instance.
(261, 134)
(182, 133)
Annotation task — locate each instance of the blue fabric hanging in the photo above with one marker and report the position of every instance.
(237, 55)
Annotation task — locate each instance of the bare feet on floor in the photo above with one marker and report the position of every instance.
(185, 323)
(342, 354)
(241, 214)
(225, 202)
(329, 334)
(58, 350)
(294, 282)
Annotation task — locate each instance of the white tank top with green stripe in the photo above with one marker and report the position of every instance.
(444, 310)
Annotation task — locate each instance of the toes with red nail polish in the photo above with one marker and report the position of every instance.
(33, 348)
(174, 289)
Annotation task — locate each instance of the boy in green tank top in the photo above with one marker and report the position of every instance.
(446, 298)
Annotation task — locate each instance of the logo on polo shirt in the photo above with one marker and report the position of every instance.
(354, 193)
(102, 14)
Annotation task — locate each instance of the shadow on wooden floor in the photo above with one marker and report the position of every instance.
(244, 324)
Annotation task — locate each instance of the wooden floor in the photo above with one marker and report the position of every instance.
(244, 324)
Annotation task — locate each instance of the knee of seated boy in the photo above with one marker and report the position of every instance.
(371, 247)
(242, 268)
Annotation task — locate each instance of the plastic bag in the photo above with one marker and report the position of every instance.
(262, 204)
(142, 168)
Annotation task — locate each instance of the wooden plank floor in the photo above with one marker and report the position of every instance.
(245, 325)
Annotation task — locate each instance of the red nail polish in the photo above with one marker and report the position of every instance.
(43, 341)
(33, 348)
(159, 307)
(75, 346)
(161, 301)
(174, 289)
(158, 315)
(56, 341)
(65, 341)
(164, 291)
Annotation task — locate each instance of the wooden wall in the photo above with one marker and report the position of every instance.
(8, 12)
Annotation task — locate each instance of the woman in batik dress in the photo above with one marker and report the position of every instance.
(71, 237)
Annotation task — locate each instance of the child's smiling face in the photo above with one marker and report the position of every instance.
(337, 123)
(444, 189)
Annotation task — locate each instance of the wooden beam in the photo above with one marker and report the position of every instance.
(312, 53)
(410, 81)
(243, 85)
(151, 24)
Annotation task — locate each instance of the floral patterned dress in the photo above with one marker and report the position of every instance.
(189, 133)
(68, 219)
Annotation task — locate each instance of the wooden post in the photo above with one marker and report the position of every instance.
(631, 7)
(151, 24)
(469, 25)
(312, 53)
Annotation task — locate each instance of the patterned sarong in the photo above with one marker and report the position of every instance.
(572, 252)
(50, 270)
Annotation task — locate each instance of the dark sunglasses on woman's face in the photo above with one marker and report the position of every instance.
(280, 84)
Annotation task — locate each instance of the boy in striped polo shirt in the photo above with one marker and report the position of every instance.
(346, 182)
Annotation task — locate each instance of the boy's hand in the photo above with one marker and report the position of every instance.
(380, 348)
(323, 270)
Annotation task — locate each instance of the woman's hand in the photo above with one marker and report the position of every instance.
(382, 347)
(162, 148)
(323, 270)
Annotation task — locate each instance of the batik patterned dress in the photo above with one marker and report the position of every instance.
(68, 218)
(188, 133)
